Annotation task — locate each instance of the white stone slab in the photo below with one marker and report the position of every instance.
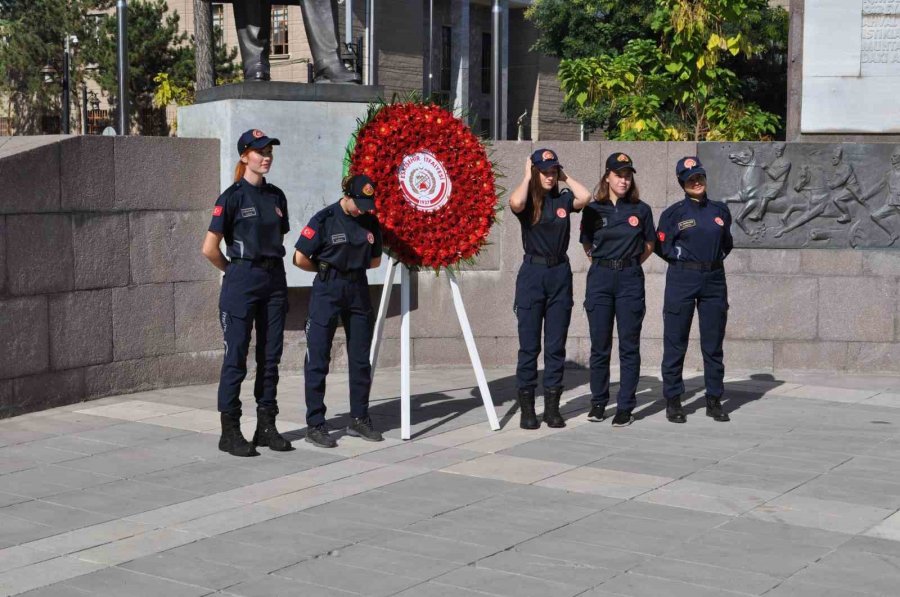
(832, 38)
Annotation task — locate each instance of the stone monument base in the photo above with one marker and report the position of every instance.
(314, 124)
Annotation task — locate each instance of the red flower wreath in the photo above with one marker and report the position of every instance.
(435, 195)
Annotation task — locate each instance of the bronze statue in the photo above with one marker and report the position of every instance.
(253, 19)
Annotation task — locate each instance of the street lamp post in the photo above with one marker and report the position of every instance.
(66, 90)
(122, 63)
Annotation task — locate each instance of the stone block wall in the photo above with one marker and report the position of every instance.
(103, 289)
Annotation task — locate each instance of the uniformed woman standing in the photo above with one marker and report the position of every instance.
(544, 283)
(618, 236)
(694, 237)
(340, 243)
(251, 215)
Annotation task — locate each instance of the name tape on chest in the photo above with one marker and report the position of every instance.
(248, 212)
(337, 239)
(685, 224)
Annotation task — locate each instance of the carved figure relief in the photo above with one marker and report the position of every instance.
(808, 195)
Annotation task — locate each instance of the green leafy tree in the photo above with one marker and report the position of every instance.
(678, 82)
(32, 39)
(154, 46)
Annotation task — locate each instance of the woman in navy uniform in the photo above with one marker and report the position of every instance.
(340, 243)
(694, 237)
(252, 216)
(544, 283)
(618, 236)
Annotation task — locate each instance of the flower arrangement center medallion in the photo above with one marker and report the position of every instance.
(424, 181)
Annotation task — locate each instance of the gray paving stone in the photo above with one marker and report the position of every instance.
(236, 555)
(581, 553)
(327, 573)
(710, 577)
(749, 552)
(272, 537)
(57, 590)
(129, 462)
(548, 569)
(60, 518)
(639, 585)
(277, 585)
(854, 571)
(497, 582)
(17, 531)
(880, 493)
(115, 582)
(794, 588)
(786, 532)
(392, 501)
(498, 536)
(653, 463)
(350, 531)
(393, 562)
(382, 517)
(559, 450)
(452, 488)
(204, 477)
(431, 547)
(190, 571)
(430, 589)
(47, 480)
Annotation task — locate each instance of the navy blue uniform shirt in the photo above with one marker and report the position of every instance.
(344, 242)
(252, 219)
(695, 231)
(550, 236)
(617, 231)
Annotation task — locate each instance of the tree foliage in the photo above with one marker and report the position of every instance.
(677, 79)
(32, 38)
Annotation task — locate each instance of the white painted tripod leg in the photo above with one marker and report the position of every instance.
(404, 353)
(473, 351)
(382, 314)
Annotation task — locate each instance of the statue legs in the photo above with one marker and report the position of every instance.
(318, 19)
(254, 27)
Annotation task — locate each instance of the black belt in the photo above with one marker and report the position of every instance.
(263, 262)
(548, 261)
(326, 271)
(617, 263)
(702, 266)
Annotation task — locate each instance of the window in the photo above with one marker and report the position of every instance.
(218, 16)
(280, 29)
(446, 58)
(485, 62)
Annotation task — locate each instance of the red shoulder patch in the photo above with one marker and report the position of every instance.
(719, 221)
(217, 211)
(661, 236)
(308, 232)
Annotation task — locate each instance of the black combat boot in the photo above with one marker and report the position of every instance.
(674, 411)
(232, 441)
(362, 428)
(551, 407)
(527, 417)
(714, 410)
(318, 436)
(266, 433)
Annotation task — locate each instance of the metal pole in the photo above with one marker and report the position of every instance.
(122, 64)
(84, 108)
(66, 91)
(348, 21)
(370, 42)
(497, 108)
(429, 81)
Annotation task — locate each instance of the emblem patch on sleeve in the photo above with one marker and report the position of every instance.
(308, 232)
(719, 221)
(661, 236)
(217, 211)
(561, 212)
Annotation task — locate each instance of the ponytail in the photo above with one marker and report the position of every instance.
(241, 167)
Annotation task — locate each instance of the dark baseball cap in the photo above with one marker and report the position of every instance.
(254, 139)
(362, 190)
(620, 161)
(544, 159)
(687, 167)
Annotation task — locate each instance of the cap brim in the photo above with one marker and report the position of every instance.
(263, 142)
(632, 168)
(364, 203)
(547, 165)
(692, 172)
